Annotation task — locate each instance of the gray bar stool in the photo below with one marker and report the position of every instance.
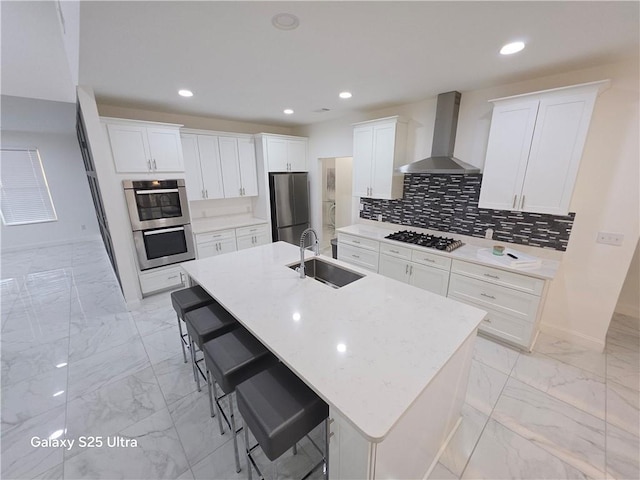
(184, 301)
(280, 410)
(231, 359)
(204, 324)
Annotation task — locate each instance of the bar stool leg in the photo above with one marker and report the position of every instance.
(184, 353)
(247, 447)
(235, 436)
(210, 394)
(294, 449)
(215, 396)
(192, 357)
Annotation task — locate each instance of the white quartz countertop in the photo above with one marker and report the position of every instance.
(468, 252)
(212, 224)
(368, 349)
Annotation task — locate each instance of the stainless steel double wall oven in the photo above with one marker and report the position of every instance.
(159, 213)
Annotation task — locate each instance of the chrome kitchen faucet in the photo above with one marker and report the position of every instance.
(315, 248)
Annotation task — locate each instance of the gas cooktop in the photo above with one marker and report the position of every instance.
(425, 240)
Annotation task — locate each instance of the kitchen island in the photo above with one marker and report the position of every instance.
(391, 360)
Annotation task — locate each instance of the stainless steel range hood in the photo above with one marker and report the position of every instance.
(444, 137)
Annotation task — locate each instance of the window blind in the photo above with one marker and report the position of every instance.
(24, 191)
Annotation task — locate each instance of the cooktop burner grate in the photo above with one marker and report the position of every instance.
(425, 240)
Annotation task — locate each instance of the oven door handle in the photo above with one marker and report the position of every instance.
(158, 190)
(163, 230)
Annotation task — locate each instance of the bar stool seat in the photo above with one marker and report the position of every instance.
(184, 301)
(231, 359)
(279, 409)
(204, 324)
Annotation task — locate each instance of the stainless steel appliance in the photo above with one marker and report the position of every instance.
(156, 203)
(289, 206)
(425, 240)
(159, 214)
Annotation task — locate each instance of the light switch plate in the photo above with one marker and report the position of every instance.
(361, 206)
(488, 233)
(379, 217)
(610, 238)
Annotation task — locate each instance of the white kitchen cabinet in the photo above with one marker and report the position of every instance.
(427, 278)
(359, 251)
(144, 147)
(282, 153)
(162, 278)
(379, 147)
(534, 150)
(202, 167)
(239, 174)
(513, 301)
(252, 236)
(215, 243)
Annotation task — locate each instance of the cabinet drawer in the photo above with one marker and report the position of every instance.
(519, 305)
(395, 251)
(516, 281)
(359, 256)
(252, 230)
(164, 279)
(430, 259)
(218, 236)
(502, 326)
(365, 243)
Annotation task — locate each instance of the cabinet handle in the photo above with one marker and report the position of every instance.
(155, 167)
(515, 197)
(149, 164)
(202, 193)
(492, 276)
(240, 192)
(394, 251)
(253, 229)
(522, 203)
(356, 241)
(488, 296)
(181, 278)
(429, 260)
(172, 277)
(410, 269)
(217, 247)
(355, 256)
(243, 191)
(406, 269)
(488, 320)
(206, 193)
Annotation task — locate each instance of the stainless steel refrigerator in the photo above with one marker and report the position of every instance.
(289, 206)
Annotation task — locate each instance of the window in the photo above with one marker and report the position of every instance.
(25, 193)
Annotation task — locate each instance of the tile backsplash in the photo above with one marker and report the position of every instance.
(449, 203)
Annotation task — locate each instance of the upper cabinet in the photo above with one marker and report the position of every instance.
(144, 147)
(379, 146)
(534, 150)
(219, 166)
(283, 153)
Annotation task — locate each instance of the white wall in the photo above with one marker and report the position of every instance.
(50, 127)
(583, 296)
(629, 300)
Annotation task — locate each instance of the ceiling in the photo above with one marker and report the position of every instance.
(138, 54)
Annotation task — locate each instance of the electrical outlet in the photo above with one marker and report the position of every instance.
(488, 233)
(83, 227)
(361, 206)
(610, 238)
(379, 217)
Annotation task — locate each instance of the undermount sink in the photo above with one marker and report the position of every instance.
(327, 273)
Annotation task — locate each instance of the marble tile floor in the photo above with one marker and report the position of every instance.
(76, 362)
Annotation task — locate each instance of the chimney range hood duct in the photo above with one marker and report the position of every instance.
(444, 137)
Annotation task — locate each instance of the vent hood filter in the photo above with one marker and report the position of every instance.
(444, 137)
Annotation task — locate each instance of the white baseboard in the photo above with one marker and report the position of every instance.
(574, 337)
(29, 246)
(630, 310)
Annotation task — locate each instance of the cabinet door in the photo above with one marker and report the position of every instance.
(384, 137)
(556, 149)
(277, 154)
(297, 155)
(165, 149)
(130, 148)
(394, 268)
(428, 278)
(262, 238)
(227, 245)
(210, 166)
(192, 172)
(362, 158)
(507, 154)
(230, 168)
(245, 242)
(247, 163)
(208, 249)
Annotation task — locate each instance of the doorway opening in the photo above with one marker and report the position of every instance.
(336, 198)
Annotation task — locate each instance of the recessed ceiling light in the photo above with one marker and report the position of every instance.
(185, 93)
(288, 111)
(285, 21)
(345, 95)
(511, 48)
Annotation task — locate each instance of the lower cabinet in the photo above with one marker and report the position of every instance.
(162, 278)
(227, 241)
(248, 237)
(361, 252)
